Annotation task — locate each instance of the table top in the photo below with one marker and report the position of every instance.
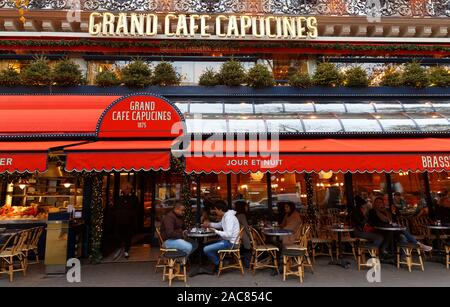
(441, 227)
(391, 228)
(200, 234)
(277, 232)
(345, 229)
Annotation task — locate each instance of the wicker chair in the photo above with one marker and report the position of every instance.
(259, 247)
(365, 247)
(235, 253)
(32, 243)
(162, 261)
(12, 250)
(321, 238)
(175, 267)
(409, 249)
(294, 256)
(447, 254)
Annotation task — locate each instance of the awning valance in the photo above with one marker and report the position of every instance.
(337, 155)
(26, 156)
(119, 156)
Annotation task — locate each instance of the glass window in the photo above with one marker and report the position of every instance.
(252, 188)
(168, 192)
(442, 107)
(246, 125)
(206, 125)
(330, 108)
(269, 108)
(288, 187)
(411, 191)
(431, 122)
(388, 107)
(360, 108)
(238, 108)
(329, 190)
(369, 186)
(183, 107)
(359, 124)
(322, 124)
(396, 122)
(206, 108)
(418, 107)
(284, 125)
(307, 107)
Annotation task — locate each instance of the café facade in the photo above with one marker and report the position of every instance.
(74, 147)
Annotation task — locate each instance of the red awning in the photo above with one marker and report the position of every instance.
(119, 156)
(26, 156)
(337, 155)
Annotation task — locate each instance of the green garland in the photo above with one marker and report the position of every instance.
(95, 181)
(208, 45)
(178, 167)
(310, 199)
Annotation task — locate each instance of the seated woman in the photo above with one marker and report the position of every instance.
(381, 216)
(291, 221)
(360, 223)
(242, 209)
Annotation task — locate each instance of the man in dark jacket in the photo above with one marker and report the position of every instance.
(125, 219)
(172, 231)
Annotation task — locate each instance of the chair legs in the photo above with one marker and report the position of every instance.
(236, 255)
(172, 269)
(255, 264)
(408, 251)
(289, 266)
(447, 252)
(361, 256)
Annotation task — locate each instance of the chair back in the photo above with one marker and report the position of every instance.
(237, 245)
(38, 235)
(160, 239)
(20, 241)
(255, 238)
(10, 241)
(304, 236)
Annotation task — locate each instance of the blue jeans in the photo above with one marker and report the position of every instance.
(180, 245)
(212, 249)
(406, 237)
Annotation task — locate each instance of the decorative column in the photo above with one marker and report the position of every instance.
(178, 167)
(310, 199)
(93, 212)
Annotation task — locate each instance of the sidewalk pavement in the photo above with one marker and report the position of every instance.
(142, 274)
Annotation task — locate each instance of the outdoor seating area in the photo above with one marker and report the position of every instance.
(15, 248)
(329, 234)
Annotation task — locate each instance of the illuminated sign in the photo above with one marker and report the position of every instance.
(202, 26)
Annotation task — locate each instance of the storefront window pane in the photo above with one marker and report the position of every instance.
(247, 125)
(284, 125)
(238, 108)
(322, 125)
(411, 189)
(299, 107)
(359, 123)
(253, 189)
(416, 107)
(360, 108)
(206, 108)
(206, 125)
(330, 108)
(329, 191)
(269, 108)
(369, 186)
(168, 192)
(388, 107)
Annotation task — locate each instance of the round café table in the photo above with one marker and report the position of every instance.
(340, 259)
(437, 230)
(394, 241)
(278, 234)
(200, 237)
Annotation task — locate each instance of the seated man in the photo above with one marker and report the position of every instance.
(360, 223)
(399, 201)
(172, 228)
(229, 234)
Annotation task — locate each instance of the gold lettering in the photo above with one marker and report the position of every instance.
(233, 29)
(122, 24)
(152, 25)
(246, 23)
(137, 24)
(204, 28)
(279, 27)
(193, 27)
(311, 24)
(269, 21)
(94, 28)
(167, 24)
(108, 23)
(288, 27)
(182, 26)
(255, 27)
(301, 29)
(219, 25)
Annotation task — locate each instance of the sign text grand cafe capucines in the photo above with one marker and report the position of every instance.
(200, 100)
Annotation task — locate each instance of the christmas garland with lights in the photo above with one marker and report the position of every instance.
(311, 212)
(93, 188)
(178, 167)
(221, 45)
